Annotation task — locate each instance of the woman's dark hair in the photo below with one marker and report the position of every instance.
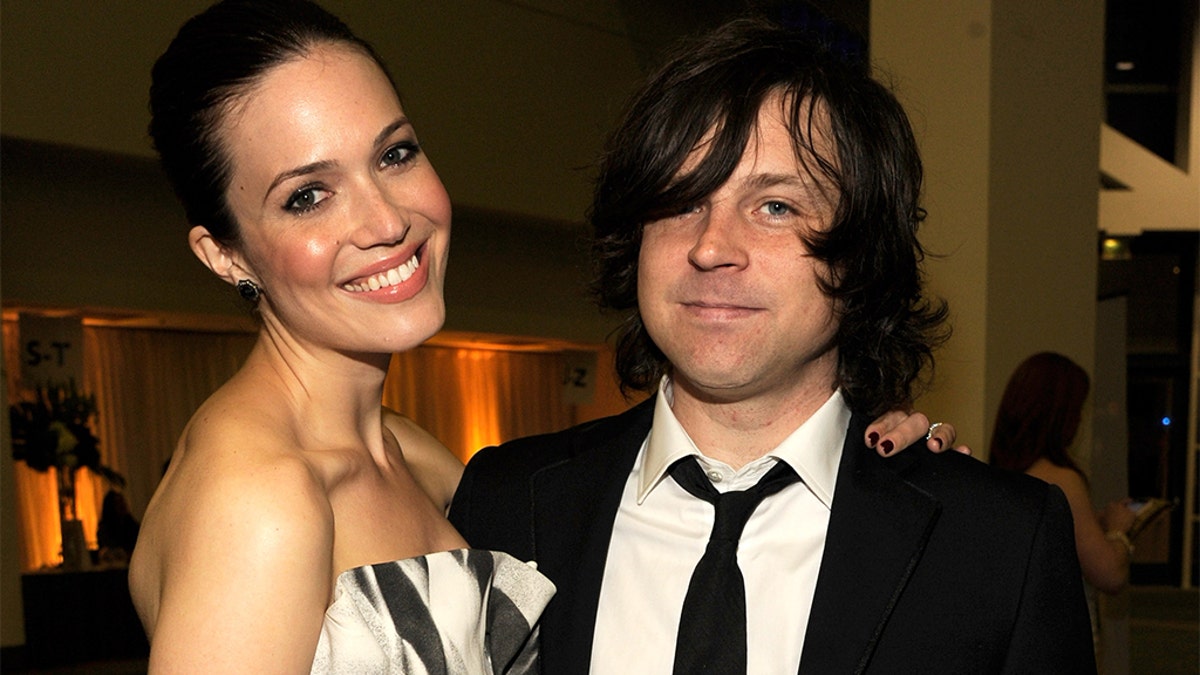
(888, 329)
(216, 56)
(1039, 413)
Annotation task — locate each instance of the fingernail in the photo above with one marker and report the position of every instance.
(872, 439)
(938, 441)
(888, 446)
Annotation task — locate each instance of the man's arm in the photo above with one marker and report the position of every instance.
(1053, 632)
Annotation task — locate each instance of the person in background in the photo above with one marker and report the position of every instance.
(299, 525)
(1036, 425)
(755, 224)
(117, 531)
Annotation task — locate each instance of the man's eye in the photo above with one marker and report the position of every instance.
(777, 209)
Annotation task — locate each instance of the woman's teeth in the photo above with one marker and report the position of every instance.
(385, 279)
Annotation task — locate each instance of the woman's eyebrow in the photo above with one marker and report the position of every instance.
(300, 171)
(313, 167)
(387, 131)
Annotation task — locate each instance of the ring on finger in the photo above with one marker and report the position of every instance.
(929, 434)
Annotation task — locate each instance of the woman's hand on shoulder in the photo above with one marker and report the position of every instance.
(897, 429)
(246, 576)
(433, 466)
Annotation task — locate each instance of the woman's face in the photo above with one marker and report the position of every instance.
(343, 221)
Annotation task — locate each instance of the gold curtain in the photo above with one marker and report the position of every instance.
(472, 398)
(148, 382)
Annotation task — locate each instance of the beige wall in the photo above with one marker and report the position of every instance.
(1005, 98)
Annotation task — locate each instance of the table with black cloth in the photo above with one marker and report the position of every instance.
(74, 616)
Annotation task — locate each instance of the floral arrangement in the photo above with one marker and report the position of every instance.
(54, 430)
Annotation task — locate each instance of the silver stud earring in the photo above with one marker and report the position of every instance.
(248, 290)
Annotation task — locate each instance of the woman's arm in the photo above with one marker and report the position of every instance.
(1105, 561)
(246, 579)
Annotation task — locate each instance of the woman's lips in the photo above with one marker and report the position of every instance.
(392, 284)
(391, 277)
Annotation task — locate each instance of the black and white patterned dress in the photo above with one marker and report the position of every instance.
(466, 611)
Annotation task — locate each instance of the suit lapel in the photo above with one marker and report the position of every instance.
(574, 504)
(878, 527)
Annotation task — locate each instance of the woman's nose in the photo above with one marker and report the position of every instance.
(382, 221)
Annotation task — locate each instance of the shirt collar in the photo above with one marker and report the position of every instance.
(814, 449)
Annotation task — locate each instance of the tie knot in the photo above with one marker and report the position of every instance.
(733, 508)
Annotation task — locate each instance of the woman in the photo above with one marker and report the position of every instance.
(1035, 426)
(268, 539)
(309, 192)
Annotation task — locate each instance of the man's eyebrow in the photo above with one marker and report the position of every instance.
(766, 180)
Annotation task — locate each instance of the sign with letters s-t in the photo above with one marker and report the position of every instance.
(51, 350)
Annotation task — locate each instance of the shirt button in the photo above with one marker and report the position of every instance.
(715, 476)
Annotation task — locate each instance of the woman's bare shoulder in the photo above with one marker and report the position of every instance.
(234, 497)
(436, 469)
(232, 454)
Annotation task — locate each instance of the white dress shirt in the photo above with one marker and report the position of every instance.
(661, 532)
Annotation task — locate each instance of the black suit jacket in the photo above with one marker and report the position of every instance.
(932, 564)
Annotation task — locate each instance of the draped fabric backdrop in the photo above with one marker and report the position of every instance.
(471, 398)
(148, 382)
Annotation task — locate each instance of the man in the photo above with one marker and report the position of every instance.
(756, 219)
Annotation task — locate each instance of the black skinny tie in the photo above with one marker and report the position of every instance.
(712, 627)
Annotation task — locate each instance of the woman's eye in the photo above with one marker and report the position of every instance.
(305, 199)
(399, 154)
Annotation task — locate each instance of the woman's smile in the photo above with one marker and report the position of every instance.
(395, 283)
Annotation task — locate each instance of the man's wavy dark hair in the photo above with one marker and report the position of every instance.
(888, 329)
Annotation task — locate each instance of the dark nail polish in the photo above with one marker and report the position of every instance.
(872, 439)
(888, 446)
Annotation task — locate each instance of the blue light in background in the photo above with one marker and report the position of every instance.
(1166, 421)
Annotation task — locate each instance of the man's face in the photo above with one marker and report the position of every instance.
(728, 290)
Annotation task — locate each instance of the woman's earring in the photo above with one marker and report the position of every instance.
(248, 290)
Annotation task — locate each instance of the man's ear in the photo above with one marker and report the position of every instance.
(218, 257)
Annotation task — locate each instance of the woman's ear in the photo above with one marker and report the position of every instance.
(216, 256)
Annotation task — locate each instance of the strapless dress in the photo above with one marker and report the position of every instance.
(467, 611)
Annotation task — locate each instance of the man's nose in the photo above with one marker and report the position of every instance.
(720, 239)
